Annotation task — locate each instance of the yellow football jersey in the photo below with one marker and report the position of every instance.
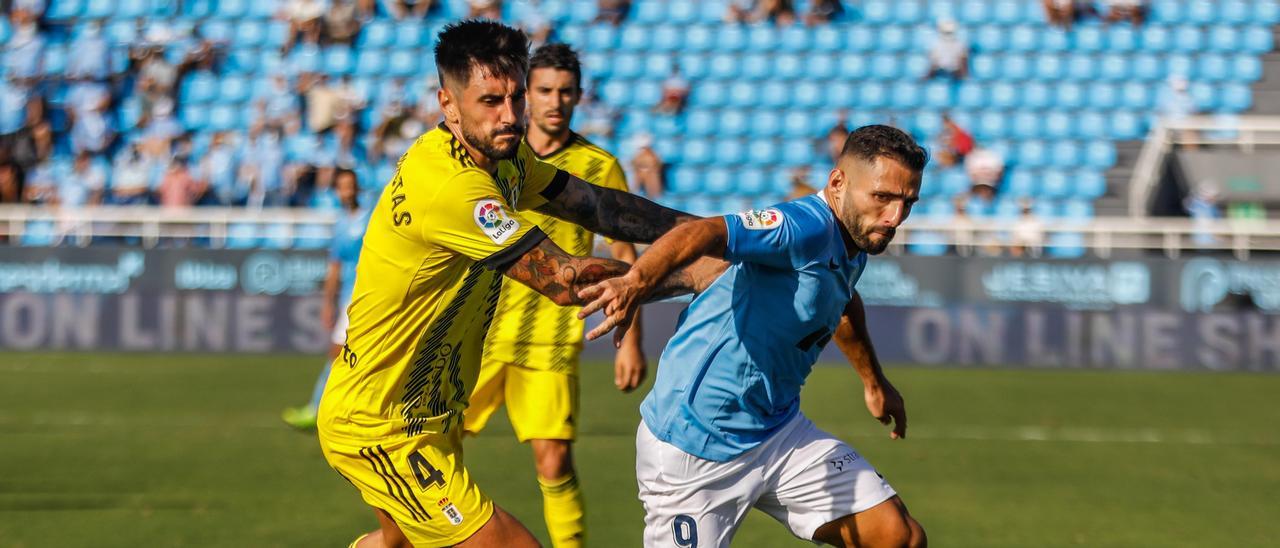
(425, 293)
(529, 329)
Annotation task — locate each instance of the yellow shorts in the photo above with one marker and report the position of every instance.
(419, 481)
(542, 405)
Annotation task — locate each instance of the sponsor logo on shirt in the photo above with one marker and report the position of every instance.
(494, 222)
(761, 219)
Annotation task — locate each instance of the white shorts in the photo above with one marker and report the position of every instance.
(340, 323)
(801, 476)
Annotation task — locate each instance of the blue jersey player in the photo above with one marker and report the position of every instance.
(722, 429)
(344, 253)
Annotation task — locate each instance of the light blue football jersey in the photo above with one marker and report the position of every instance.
(731, 375)
(348, 238)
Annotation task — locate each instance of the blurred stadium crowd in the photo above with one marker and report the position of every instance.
(713, 106)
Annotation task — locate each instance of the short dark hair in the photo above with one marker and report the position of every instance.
(494, 47)
(871, 142)
(559, 57)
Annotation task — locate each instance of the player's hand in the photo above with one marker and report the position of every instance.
(886, 405)
(629, 368)
(618, 298)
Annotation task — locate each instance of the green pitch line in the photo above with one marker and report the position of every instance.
(182, 450)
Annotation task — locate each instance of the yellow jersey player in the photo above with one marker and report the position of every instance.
(446, 229)
(531, 355)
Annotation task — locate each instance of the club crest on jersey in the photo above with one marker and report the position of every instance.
(450, 511)
(761, 219)
(494, 222)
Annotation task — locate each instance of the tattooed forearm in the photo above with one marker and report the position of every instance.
(613, 213)
(694, 278)
(559, 276)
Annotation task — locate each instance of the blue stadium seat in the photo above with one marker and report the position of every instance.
(718, 181)
(1114, 68)
(1019, 183)
(970, 96)
(1100, 155)
(602, 37)
(130, 9)
(681, 13)
(1266, 12)
(646, 94)
(1126, 126)
(1065, 154)
(1024, 38)
(989, 38)
(55, 60)
(1166, 11)
(762, 152)
(667, 38)
(1205, 96)
(786, 66)
(707, 94)
(697, 152)
(633, 38)
(618, 93)
(819, 66)
(640, 121)
(198, 88)
(1201, 12)
(991, 125)
(1135, 95)
(64, 9)
(1257, 39)
(1055, 40)
(1007, 12)
(908, 12)
(1156, 39)
(984, 67)
(193, 116)
(658, 66)
(1077, 211)
(794, 39)
(927, 244)
(1026, 125)
(411, 35)
(861, 38)
(1181, 65)
(1122, 40)
(841, 94)
(973, 13)
(1016, 67)
(765, 124)
(370, 62)
(894, 38)
(250, 33)
(1049, 66)
(1081, 67)
(877, 12)
(234, 89)
(1103, 96)
(699, 38)
(827, 38)
(754, 181)
(1032, 154)
(630, 66)
(241, 236)
(852, 67)
(728, 151)
(376, 34)
(125, 32)
(1003, 95)
(1224, 39)
(1057, 125)
(1213, 68)
(885, 67)
(1037, 95)
(1089, 39)
(937, 95)
(574, 35)
(1246, 68)
(1065, 245)
(1088, 185)
(732, 123)
(97, 9)
(953, 181)
(1188, 40)
(807, 94)
(796, 153)
(904, 95)
(939, 10)
(338, 60)
(1235, 98)
(647, 13)
(872, 95)
(1146, 67)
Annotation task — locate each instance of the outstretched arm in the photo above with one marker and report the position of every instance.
(675, 252)
(613, 213)
(561, 277)
(883, 400)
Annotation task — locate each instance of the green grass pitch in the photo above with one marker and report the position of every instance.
(187, 450)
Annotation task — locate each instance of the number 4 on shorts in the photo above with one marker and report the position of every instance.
(427, 475)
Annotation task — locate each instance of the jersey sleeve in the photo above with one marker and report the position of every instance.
(776, 237)
(539, 181)
(473, 218)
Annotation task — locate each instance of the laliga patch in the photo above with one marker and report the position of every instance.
(494, 222)
(761, 219)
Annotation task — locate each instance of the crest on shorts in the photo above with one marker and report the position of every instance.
(494, 222)
(761, 219)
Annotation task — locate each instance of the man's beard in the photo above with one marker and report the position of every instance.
(862, 238)
(490, 148)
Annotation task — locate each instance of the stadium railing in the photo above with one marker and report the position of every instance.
(283, 228)
(1245, 132)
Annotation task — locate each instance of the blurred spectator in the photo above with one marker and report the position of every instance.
(325, 103)
(778, 12)
(740, 11)
(485, 9)
(305, 21)
(11, 179)
(86, 183)
(1027, 237)
(161, 129)
(613, 12)
(219, 168)
(402, 9)
(88, 60)
(953, 143)
(1135, 11)
(156, 78)
(985, 168)
(647, 167)
(428, 108)
(949, 55)
(42, 184)
(88, 105)
(596, 119)
(178, 188)
(342, 149)
(35, 140)
(823, 11)
(261, 165)
(835, 137)
(24, 11)
(396, 130)
(535, 24)
(1064, 13)
(131, 177)
(675, 92)
(801, 178)
(278, 102)
(24, 54)
(342, 22)
(1204, 209)
(13, 110)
